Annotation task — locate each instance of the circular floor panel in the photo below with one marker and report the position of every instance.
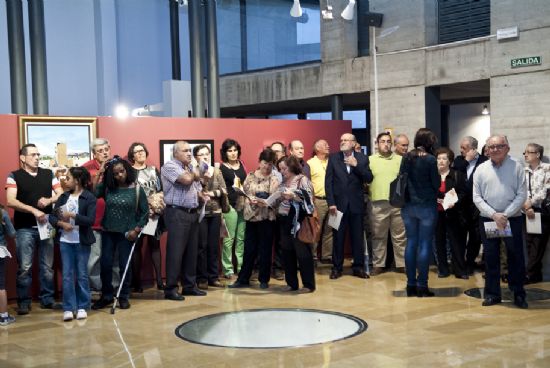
(271, 328)
(532, 294)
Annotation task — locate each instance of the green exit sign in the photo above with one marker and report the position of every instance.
(526, 61)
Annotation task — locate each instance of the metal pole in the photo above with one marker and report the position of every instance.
(16, 47)
(213, 81)
(175, 39)
(376, 120)
(337, 109)
(37, 37)
(197, 96)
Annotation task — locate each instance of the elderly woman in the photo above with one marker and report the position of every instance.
(234, 174)
(295, 205)
(258, 186)
(148, 178)
(451, 223)
(213, 185)
(537, 175)
(420, 211)
(126, 213)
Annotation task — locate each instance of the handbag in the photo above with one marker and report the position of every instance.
(545, 204)
(398, 187)
(310, 229)
(224, 202)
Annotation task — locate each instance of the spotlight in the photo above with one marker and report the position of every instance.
(485, 110)
(296, 10)
(327, 13)
(122, 112)
(347, 14)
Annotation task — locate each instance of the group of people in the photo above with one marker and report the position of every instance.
(100, 210)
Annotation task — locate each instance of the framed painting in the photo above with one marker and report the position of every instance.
(62, 141)
(167, 145)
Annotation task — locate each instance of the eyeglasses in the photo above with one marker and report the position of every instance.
(531, 152)
(139, 151)
(497, 146)
(103, 150)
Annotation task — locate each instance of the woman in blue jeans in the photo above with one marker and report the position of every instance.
(74, 216)
(420, 211)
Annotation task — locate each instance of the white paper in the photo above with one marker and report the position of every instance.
(270, 201)
(534, 226)
(44, 229)
(334, 220)
(450, 198)
(492, 231)
(151, 227)
(202, 213)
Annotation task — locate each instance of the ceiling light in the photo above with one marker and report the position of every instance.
(296, 10)
(485, 110)
(347, 14)
(327, 13)
(122, 112)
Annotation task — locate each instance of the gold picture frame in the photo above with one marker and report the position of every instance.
(62, 141)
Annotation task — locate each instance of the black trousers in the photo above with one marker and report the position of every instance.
(516, 259)
(258, 242)
(536, 245)
(355, 223)
(181, 249)
(209, 248)
(296, 254)
(452, 229)
(474, 238)
(277, 251)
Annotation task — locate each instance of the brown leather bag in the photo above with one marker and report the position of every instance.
(310, 229)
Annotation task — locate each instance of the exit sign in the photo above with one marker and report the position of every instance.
(526, 61)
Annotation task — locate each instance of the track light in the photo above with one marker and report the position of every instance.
(347, 14)
(485, 110)
(296, 10)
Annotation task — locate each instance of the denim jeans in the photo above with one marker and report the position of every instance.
(112, 242)
(74, 258)
(26, 241)
(420, 221)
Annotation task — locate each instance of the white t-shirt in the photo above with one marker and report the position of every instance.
(71, 207)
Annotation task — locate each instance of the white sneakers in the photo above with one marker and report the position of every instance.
(67, 316)
(80, 314)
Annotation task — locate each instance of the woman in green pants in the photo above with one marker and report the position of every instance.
(234, 173)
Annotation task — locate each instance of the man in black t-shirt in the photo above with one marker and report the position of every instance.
(29, 192)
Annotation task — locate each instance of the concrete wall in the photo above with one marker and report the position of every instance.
(466, 120)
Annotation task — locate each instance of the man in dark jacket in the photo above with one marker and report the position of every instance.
(346, 172)
(468, 162)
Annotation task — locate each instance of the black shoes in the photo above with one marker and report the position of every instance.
(424, 292)
(174, 296)
(124, 304)
(264, 285)
(238, 285)
(411, 290)
(443, 275)
(102, 303)
(462, 277)
(160, 286)
(520, 302)
(193, 292)
(361, 274)
(23, 309)
(53, 305)
(491, 300)
(335, 275)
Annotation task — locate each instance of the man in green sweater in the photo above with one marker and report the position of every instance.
(385, 168)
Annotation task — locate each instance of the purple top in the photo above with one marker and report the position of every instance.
(176, 193)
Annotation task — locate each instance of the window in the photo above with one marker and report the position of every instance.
(463, 19)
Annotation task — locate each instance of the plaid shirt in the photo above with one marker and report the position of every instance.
(176, 193)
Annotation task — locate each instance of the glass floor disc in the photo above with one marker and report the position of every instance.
(271, 328)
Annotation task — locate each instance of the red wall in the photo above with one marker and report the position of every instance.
(252, 134)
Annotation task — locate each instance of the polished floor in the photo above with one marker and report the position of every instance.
(449, 330)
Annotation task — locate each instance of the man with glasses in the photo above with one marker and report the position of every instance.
(537, 174)
(101, 151)
(29, 193)
(499, 193)
(346, 172)
(468, 162)
(182, 192)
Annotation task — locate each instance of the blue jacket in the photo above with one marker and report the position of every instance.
(423, 180)
(84, 219)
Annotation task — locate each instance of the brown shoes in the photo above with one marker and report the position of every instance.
(377, 271)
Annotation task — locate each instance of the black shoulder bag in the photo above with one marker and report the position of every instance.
(398, 187)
